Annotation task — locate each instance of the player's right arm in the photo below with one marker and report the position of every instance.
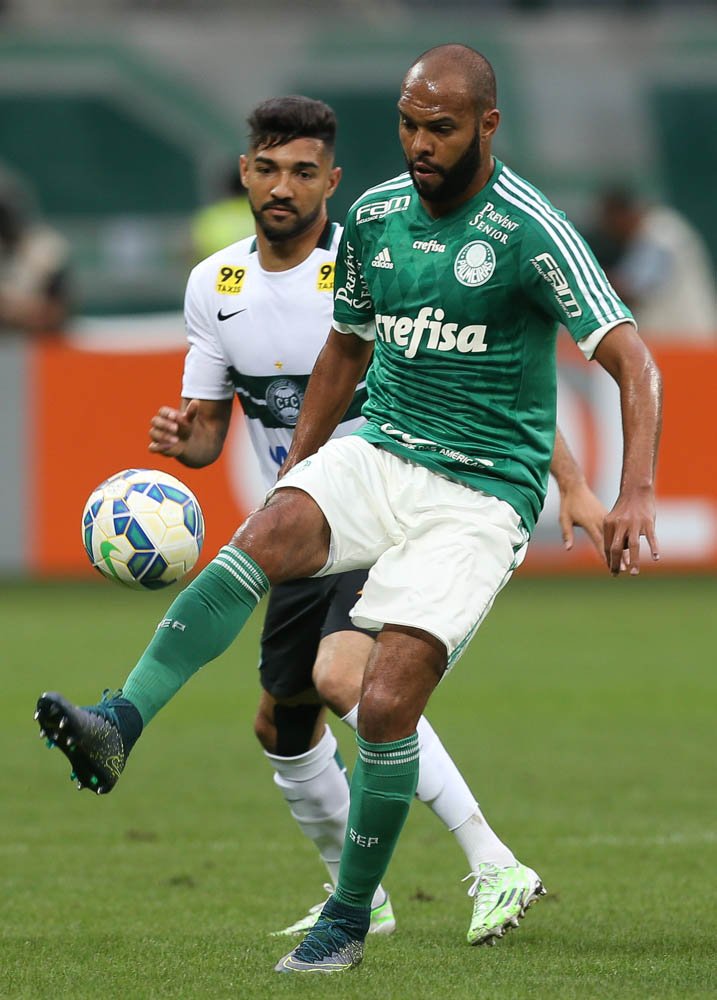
(341, 364)
(345, 356)
(194, 434)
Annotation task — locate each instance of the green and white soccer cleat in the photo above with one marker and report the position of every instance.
(382, 919)
(501, 895)
(334, 943)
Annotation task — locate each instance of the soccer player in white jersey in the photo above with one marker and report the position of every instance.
(438, 491)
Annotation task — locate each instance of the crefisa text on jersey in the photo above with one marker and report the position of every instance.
(408, 333)
(429, 246)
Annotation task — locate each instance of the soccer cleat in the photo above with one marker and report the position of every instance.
(334, 943)
(501, 895)
(382, 919)
(88, 736)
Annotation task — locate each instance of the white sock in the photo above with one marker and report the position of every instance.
(480, 843)
(440, 784)
(442, 787)
(317, 793)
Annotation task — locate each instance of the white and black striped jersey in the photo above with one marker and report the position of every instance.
(258, 333)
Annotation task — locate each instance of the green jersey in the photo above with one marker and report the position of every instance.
(464, 311)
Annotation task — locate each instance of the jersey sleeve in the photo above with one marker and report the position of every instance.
(353, 306)
(205, 367)
(560, 274)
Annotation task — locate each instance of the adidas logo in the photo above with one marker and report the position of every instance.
(382, 259)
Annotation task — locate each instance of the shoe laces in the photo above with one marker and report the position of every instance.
(488, 877)
(105, 709)
(327, 937)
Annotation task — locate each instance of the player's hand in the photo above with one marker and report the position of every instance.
(632, 517)
(579, 507)
(170, 429)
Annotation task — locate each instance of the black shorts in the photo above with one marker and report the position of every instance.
(299, 614)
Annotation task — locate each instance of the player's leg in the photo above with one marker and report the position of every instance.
(403, 669)
(287, 538)
(471, 543)
(338, 675)
(315, 787)
(290, 725)
(309, 773)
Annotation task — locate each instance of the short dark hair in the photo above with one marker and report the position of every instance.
(282, 119)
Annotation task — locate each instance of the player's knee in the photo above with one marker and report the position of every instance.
(265, 729)
(295, 726)
(339, 669)
(330, 683)
(288, 537)
(386, 715)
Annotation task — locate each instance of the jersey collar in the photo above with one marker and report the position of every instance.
(323, 242)
(468, 206)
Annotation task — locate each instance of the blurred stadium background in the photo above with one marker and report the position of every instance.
(584, 714)
(121, 116)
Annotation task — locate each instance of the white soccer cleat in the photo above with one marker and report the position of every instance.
(501, 895)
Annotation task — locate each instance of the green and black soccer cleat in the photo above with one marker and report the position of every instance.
(89, 736)
(334, 943)
(382, 919)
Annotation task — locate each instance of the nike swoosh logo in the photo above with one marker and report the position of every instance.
(105, 549)
(222, 316)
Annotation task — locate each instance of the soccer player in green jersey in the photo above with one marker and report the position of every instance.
(451, 281)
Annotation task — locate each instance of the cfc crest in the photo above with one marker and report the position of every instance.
(284, 398)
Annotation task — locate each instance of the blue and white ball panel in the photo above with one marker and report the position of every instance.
(143, 527)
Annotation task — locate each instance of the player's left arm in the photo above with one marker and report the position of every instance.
(623, 354)
(341, 364)
(579, 507)
(562, 276)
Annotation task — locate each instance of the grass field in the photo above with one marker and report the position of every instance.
(583, 716)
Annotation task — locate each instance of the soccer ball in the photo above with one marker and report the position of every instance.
(143, 528)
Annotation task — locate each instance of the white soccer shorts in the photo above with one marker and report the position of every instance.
(438, 551)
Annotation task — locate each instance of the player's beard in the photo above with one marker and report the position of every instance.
(277, 234)
(456, 179)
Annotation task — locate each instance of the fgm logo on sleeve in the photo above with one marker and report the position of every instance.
(380, 209)
(475, 263)
(547, 266)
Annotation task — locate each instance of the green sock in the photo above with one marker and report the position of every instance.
(201, 623)
(382, 789)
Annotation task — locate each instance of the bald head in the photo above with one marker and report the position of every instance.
(462, 66)
(446, 122)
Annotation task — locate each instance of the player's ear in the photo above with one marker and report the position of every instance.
(243, 169)
(489, 123)
(333, 181)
